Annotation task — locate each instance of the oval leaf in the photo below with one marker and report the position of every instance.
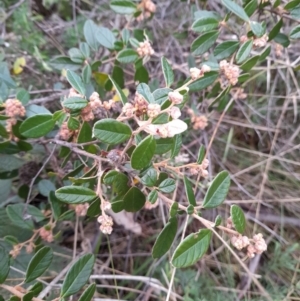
(225, 49)
(88, 294)
(76, 82)
(4, 264)
(111, 131)
(238, 218)
(105, 37)
(75, 103)
(189, 191)
(78, 275)
(203, 82)
(244, 51)
(127, 56)
(165, 239)
(37, 126)
(191, 249)
(167, 186)
(38, 264)
(123, 7)
(143, 153)
(134, 200)
(167, 71)
(205, 24)
(217, 191)
(90, 33)
(204, 42)
(295, 32)
(236, 9)
(75, 194)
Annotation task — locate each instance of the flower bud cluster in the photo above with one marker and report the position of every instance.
(148, 8)
(198, 122)
(15, 251)
(198, 73)
(175, 97)
(64, 132)
(145, 49)
(46, 234)
(238, 93)
(230, 73)
(153, 110)
(106, 223)
(200, 169)
(278, 50)
(256, 245)
(261, 42)
(81, 209)
(13, 109)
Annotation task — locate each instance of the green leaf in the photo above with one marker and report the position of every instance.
(4, 264)
(76, 82)
(282, 39)
(167, 185)
(244, 51)
(119, 91)
(295, 32)
(36, 288)
(291, 4)
(64, 62)
(176, 146)
(37, 126)
(205, 24)
(77, 276)
(86, 74)
(167, 71)
(150, 177)
(265, 53)
(88, 293)
(45, 187)
(203, 82)
(118, 76)
(105, 37)
(38, 264)
(85, 50)
(238, 218)
(217, 191)
(257, 29)
(201, 154)
(73, 124)
(111, 131)
(250, 8)
(127, 56)
(236, 9)
(18, 212)
(134, 200)
(110, 177)
(75, 194)
(75, 103)
(33, 110)
(120, 185)
(189, 191)
(143, 153)
(145, 91)
(163, 145)
(218, 221)
(141, 75)
(76, 55)
(90, 31)
(249, 64)
(123, 7)
(165, 238)
(161, 95)
(204, 42)
(225, 49)
(23, 96)
(191, 249)
(152, 196)
(275, 30)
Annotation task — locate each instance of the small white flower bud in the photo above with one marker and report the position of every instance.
(205, 68)
(153, 110)
(195, 73)
(175, 112)
(175, 97)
